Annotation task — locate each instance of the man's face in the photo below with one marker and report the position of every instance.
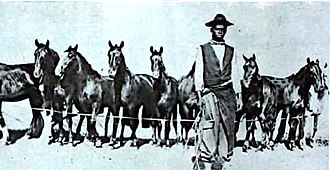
(219, 31)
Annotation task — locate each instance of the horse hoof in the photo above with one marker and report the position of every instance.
(50, 141)
(116, 146)
(98, 144)
(288, 146)
(309, 142)
(244, 149)
(168, 143)
(112, 142)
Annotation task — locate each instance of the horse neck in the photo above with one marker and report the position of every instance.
(166, 82)
(300, 80)
(253, 82)
(49, 69)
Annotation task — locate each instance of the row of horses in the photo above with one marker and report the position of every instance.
(70, 81)
(263, 97)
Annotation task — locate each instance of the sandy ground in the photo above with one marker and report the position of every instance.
(37, 154)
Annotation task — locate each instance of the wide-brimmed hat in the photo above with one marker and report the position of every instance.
(218, 19)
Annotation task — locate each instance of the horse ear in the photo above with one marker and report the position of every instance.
(151, 49)
(161, 50)
(110, 44)
(308, 60)
(69, 48)
(47, 44)
(317, 61)
(245, 57)
(121, 44)
(325, 65)
(75, 48)
(36, 42)
(253, 56)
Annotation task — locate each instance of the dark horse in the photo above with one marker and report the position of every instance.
(259, 101)
(16, 84)
(166, 89)
(131, 92)
(46, 60)
(81, 86)
(188, 100)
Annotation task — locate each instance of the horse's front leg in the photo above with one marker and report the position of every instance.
(94, 134)
(3, 128)
(69, 120)
(301, 126)
(249, 126)
(115, 126)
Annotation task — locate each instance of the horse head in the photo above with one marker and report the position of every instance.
(40, 54)
(315, 75)
(116, 58)
(157, 64)
(251, 70)
(69, 63)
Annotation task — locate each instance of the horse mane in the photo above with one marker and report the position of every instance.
(89, 70)
(298, 77)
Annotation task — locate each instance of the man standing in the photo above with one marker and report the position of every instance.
(214, 81)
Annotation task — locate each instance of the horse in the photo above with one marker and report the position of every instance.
(293, 97)
(81, 86)
(259, 101)
(314, 110)
(131, 92)
(166, 89)
(46, 60)
(16, 84)
(188, 101)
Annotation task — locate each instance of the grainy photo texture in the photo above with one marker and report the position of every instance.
(164, 85)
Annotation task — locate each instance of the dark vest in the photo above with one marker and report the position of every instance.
(213, 75)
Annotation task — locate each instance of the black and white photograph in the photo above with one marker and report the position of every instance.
(166, 85)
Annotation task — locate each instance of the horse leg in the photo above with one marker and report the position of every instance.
(134, 123)
(292, 132)
(281, 129)
(114, 126)
(37, 123)
(175, 122)
(315, 124)
(249, 126)
(301, 132)
(78, 129)
(107, 118)
(154, 138)
(159, 128)
(61, 130)
(239, 115)
(69, 120)
(48, 96)
(81, 120)
(182, 109)
(167, 129)
(95, 108)
(123, 123)
(3, 128)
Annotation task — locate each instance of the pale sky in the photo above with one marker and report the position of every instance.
(281, 34)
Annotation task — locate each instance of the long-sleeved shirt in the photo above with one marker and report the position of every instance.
(237, 67)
